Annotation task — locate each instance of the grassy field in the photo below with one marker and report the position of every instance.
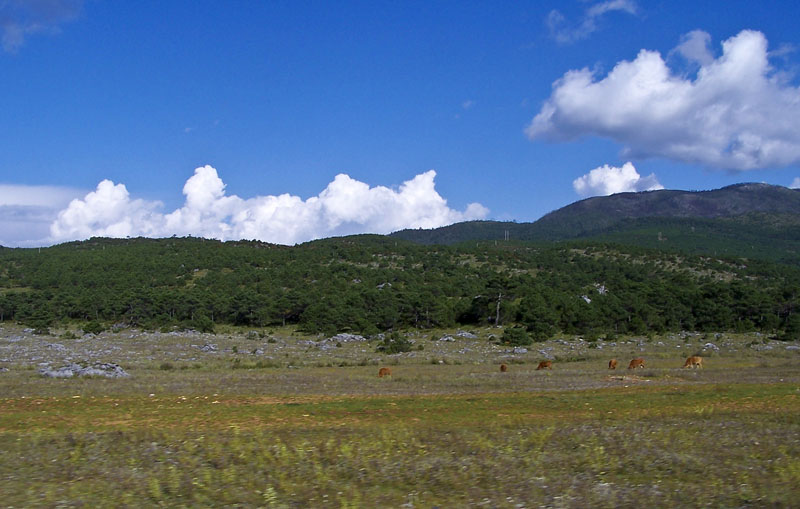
(316, 427)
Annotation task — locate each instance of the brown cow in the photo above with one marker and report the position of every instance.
(612, 364)
(695, 361)
(503, 368)
(384, 372)
(636, 363)
(545, 365)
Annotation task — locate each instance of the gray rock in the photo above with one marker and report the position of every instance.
(63, 372)
(793, 347)
(346, 338)
(106, 369)
(465, 334)
(447, 338)
(711, 346)
(519, 349)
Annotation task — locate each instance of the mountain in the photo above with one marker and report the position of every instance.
(746, 220)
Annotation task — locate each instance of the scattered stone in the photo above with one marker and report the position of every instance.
(793, 347)
(711, 346)
(465, 334)
(208, 348)
(519, 349)
(3, 370)
(106, 369)
(56, 346)
(346, 338)
(447, 337)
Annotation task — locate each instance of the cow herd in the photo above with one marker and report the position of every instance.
(695, 361)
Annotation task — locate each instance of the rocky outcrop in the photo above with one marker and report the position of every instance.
(104, 369)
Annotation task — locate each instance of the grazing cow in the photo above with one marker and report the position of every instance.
(384, 372)
(612, 364)
(636, 363)
(545, 365)
(695, 361)
(503, 368)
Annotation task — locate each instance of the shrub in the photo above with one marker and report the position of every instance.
(93, 327)
(517, 336)
(394, 343)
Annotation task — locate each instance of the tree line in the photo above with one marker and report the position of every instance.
(368, 284)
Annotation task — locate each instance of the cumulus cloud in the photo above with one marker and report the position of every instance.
(563, 33)
(346, 206)
(737, 113)
(26, 212)
(607, 180)
(795, 183)
(22, 18)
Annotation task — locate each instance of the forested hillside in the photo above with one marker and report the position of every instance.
(370, 284)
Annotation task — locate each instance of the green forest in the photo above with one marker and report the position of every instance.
(368, 284)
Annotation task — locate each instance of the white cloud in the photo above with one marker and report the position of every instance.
(345, 206)
(27, 211)
(795, 183)
(737, 114)
(607, 180)
(588, 24)
(22, 18)
(107, 212)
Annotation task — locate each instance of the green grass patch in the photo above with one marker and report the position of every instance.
(727, 445)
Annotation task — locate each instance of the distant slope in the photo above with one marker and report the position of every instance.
(599, 213)
(749, 220)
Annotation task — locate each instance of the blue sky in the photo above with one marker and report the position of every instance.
(288, 121)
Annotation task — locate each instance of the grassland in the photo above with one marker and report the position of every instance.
(282, 420)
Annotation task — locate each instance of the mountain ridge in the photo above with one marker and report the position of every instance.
(745, 219)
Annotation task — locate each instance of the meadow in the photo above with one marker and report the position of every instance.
(273, 418)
